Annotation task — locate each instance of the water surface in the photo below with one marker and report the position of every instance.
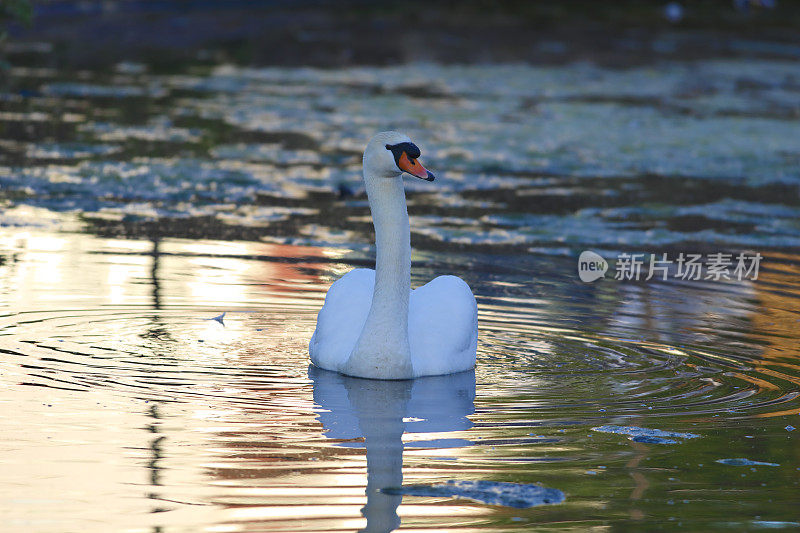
(127, 407)
(677, 155)
(138, 205)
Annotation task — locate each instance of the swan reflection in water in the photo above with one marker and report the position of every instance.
(380, 411)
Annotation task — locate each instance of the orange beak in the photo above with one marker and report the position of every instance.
(414, 167)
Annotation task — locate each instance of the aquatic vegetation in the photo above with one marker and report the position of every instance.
(70, 150)
(646, 435)
(686, 155)
(159, 130)
(744, 462)
(488, 492)
(85, 90)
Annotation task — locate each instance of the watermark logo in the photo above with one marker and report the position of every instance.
(636, 267)
(591, 266)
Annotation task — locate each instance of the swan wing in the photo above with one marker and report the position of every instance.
(342, 318)
(443, 327)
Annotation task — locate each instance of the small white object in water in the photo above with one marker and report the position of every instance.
(220, 318)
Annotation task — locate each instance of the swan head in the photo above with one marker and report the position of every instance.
(390, 153)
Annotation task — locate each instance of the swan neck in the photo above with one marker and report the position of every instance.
(393, 243)
(382, 350)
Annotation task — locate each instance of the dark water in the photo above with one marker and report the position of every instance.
(138, 206)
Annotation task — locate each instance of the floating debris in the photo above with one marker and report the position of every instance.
(773, 524)
(647, 439)
(220, 318)
(646, 435)
(490, 492)
(789, 428)
(741, 461)
(759, 524)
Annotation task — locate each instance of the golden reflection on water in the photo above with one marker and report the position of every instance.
(70, 454)
(90, 446)
(208, 461)
(140, 403)
(777, 321)
(44, 268)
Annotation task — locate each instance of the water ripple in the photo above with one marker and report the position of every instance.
(226, 423)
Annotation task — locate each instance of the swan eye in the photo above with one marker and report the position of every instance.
(410, 149)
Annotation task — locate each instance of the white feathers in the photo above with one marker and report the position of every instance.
(442, 324)
(372, 324)
(442, 327)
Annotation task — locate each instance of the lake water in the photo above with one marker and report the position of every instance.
(139, 206)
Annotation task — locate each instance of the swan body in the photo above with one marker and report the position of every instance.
(372, 325)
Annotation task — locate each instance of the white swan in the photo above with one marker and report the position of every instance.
(372, 324)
